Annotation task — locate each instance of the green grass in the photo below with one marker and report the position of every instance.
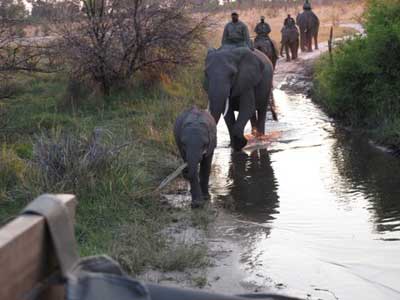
(117, 213)
(360, 86)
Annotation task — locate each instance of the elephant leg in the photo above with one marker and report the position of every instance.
(309, 41)
(316, 41)
(295, 49)
(246, 111)
(302, 41)
(287, 52)
(292, 50)
(205, 170)
(262, 116)
(230, 121)
(253, 121)
(281, 52)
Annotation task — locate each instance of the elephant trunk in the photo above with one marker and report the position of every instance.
(218, 95)
(193, 158)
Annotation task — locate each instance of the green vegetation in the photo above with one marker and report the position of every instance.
(361, 85)
(111, 151)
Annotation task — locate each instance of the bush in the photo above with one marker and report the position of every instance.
(361, 86)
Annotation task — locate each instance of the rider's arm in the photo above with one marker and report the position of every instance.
(247, 37)
(225, 36)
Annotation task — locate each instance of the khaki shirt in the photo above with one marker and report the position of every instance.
(236, 34)
(262, 29)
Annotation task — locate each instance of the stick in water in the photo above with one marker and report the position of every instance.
(171, 177)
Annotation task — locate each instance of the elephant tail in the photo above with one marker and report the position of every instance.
(273, 107)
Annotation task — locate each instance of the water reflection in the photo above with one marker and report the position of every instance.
(334, 202)
(372, 172)
(253, 187)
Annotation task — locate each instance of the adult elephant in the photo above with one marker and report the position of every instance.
(308, 23)
(268, 47)
(290, 41)
(239, 80)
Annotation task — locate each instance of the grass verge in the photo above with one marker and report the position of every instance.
(111, 152)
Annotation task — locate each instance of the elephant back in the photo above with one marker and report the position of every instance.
(267, 46)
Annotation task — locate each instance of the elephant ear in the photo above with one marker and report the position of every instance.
(249, 74)
(205, 82)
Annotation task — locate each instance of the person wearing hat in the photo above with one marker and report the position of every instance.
(307, 5)
(236, 33)
(263, 42)
(262, 29)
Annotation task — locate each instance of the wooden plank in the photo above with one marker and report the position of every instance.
(26, 255)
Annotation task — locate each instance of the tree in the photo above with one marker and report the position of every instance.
(52, 9)
(12, 10)
(117, 38)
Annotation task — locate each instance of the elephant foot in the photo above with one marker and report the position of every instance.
(206, 196)
(287, 59)
(197, 204)
(239, 143)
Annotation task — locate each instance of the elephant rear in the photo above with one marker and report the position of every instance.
(290, 35)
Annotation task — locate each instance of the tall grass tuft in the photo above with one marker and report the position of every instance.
(66, 161)
(12, 169)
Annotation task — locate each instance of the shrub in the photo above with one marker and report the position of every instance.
(362, 84)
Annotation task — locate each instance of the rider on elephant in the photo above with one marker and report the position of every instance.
(263, 42)
(289, 21)
(307, 5)
(236, 34)
(262, 29)
(308, 23)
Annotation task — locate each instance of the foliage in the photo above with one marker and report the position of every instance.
(12, 10)
(362, 84)
(116, 39)
(51, 10)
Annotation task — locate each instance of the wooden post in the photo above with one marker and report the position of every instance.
(27, 256)
(330, 41)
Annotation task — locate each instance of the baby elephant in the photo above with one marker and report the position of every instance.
(196, 136)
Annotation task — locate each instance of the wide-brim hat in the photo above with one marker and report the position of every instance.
(262, 18)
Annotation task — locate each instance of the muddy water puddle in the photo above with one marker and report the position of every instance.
(314, 214)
